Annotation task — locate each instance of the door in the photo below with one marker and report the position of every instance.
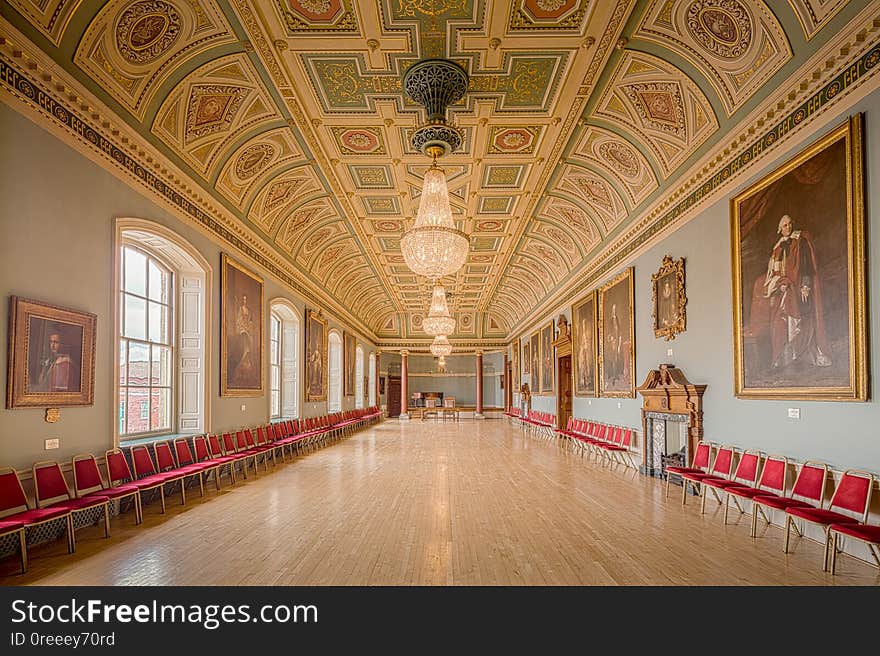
(563, 397)
(393, 396)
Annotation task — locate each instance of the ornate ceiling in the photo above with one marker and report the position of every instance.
(289, 116)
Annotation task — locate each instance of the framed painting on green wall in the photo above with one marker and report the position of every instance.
(798, 254)
(617, 337)
(241, 330)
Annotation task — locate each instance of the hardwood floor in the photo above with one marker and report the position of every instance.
(469, 503)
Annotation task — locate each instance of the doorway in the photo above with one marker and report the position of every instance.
(393, 396)
(563, 396)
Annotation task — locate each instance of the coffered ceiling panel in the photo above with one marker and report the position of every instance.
(581, 118)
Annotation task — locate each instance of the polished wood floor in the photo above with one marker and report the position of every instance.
(469, 503)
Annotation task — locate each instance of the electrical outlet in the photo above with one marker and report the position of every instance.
(669, 353)
(53, 443)
(794, 413)
(243, 407)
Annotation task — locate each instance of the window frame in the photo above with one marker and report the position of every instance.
(171, 345)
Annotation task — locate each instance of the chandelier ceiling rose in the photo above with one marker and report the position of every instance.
(436, 84)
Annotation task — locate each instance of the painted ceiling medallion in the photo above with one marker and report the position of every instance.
(316, 10)
(388, 226)
(513, 140)
(721, 26)
(146, 30)
(660, 105)
(489, 226)
(253, 160)
(621, 158)
(212, 108)
(594, 190)
(360, 141)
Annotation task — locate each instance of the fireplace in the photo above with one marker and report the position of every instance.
(672, 419)
(668, 433)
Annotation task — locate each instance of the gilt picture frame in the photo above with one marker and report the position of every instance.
(349, 346)
(241, 330)
(798, 260)
(584, 337)
(669, 299)
(547, 360)
(316, 356)
(51, 356)
(617, 337)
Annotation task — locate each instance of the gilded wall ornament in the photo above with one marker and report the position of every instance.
(670, 316)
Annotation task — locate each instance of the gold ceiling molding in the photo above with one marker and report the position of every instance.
(815, 14)
(212, 107)
(833, 72)
(73, 114)
(660, 106)
(131, 48)
(610, 35)
(737, 44)
(253, 164)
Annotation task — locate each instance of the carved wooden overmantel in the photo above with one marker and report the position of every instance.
(668, 394)
(562, 343)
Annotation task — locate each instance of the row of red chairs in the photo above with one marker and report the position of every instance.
(611, 442)
(844, 515)
(174, 463)
(538, 423)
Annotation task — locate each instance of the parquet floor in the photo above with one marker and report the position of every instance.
(469, 503)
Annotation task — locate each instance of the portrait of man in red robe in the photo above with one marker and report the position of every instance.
(786, 304)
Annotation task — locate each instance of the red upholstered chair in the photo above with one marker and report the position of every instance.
(145, 470)
(246, 451)
(867, 533)
(15, 512)
(745, 476)
(166, 465)
(51, 491)
(16, 526)
(215, 463)
(849, 505)
(87, 482)
(808, 491)
(720, 470)
(185, 460)
(771, 484)
(700, 463)
(118, 472)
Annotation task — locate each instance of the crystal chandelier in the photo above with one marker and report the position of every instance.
(441, 347)
(438, 321)
(434, 247)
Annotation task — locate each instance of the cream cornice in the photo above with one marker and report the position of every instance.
(826, 64)
(55, 82)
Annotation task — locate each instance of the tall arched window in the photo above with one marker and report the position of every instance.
(161, 332)
(359, 378)
(283, 360)
(334, 378)
(372, 391)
